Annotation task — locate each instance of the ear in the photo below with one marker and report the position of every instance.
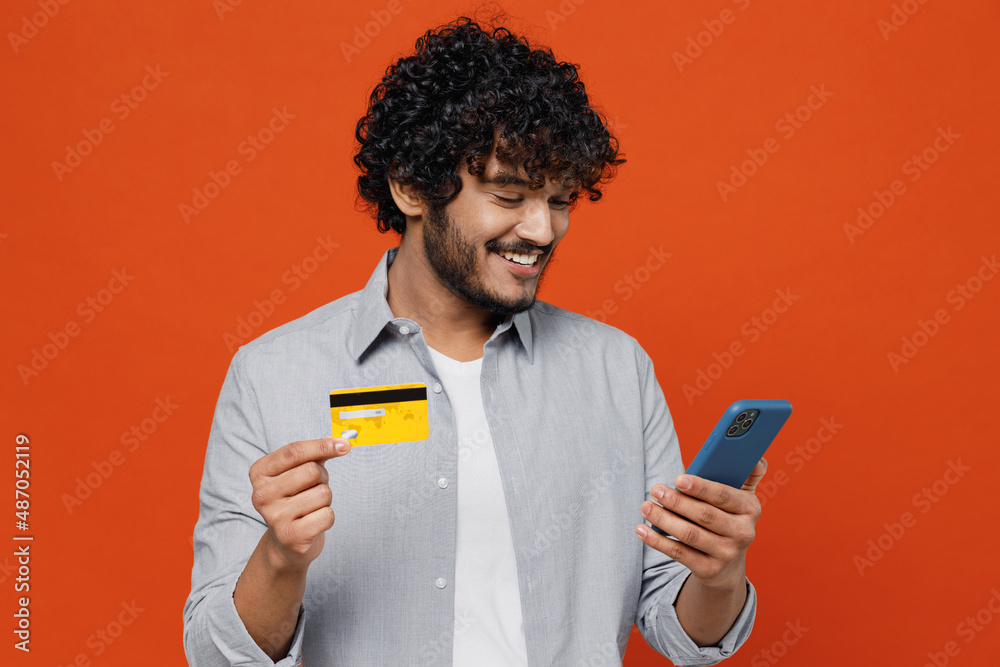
(407, 199)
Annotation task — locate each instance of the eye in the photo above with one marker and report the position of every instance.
(508, 201)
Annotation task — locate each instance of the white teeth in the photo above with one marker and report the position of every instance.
(526, 260)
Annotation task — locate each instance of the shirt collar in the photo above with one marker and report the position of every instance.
(373, 314)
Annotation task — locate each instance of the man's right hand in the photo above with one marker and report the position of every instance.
(291, 491)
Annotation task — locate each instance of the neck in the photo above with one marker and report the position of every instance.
(450, 324)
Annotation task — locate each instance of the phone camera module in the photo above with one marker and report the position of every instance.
(742, 423)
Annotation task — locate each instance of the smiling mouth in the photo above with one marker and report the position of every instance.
(517, 258)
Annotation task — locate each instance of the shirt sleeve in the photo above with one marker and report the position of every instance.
(662, 576)
(227, 531)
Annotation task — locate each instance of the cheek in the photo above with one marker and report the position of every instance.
(480, 220)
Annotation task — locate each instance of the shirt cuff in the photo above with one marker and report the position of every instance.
(227, 634)
(688, 654)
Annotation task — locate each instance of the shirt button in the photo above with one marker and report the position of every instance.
(443, 483)
(404, 329)
(437, 387)
(440, 583)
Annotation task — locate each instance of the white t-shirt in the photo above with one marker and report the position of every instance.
(489, 628)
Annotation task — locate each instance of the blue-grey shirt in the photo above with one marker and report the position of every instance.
(581, 431)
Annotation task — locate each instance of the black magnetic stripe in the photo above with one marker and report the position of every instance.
(379, 396)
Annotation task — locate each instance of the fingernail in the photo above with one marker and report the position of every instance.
(342, 446)
(645, 508)
(683, 482)
(642, 531)
(658, 493)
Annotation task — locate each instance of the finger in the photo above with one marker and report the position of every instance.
(686, 531)
(300, 534)
(300, 505)
(316, 522)
(755, 476)
(693, 509)
(270, 490)
(310, 500)
(722, 496)
(694, 560)
(298, 479)
(296, 453)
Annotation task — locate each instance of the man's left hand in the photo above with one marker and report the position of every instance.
(713, 523)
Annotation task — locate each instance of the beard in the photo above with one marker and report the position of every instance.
(455, 261)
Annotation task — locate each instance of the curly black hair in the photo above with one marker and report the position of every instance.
(464, 90)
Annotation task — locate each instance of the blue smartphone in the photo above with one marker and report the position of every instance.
(744, 432)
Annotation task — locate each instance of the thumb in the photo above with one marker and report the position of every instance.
(755, 476)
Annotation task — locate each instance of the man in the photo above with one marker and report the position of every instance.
(508, 536)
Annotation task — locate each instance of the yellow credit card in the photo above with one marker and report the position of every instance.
(380, 415)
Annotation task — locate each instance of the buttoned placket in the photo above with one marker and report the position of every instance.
(509, 461)
(499, 348)
(446, 469)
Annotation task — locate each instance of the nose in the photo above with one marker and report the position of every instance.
(536, 223)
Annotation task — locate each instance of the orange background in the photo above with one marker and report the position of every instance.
(682, 128)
